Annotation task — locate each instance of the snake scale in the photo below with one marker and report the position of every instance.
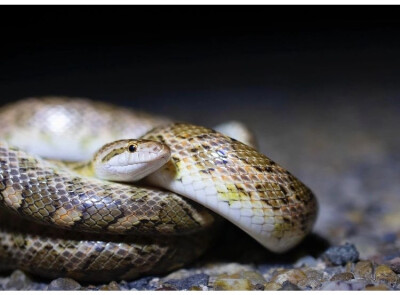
(56, 222)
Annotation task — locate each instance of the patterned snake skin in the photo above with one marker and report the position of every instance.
(119, 231)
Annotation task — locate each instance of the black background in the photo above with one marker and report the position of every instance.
(187, 61)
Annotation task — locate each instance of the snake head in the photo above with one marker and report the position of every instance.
(129, 160)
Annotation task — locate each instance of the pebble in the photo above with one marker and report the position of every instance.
(288, 286)
(166, 288)
(292, 275)
(113, 286)
(332, 270)
(192, 281)
(340, 255)
(344, 276)
(64, 284)
(344, 286)
(232, 282)
(195, 288)
(313, 280)
(18, 281)
(376, 288)
(385, 274)
(254, 277)
(272, 286)
(363, 269)
(389, 237)
(306, 261)
(395, 264)
(141, 284)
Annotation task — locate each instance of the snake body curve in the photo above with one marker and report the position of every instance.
(158, 229)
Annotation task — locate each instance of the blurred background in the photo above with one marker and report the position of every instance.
(319, 86)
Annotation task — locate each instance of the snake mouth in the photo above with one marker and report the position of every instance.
(154, 158)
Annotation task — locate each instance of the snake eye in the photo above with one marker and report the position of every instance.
(132, 148)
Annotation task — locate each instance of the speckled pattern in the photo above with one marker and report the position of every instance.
(237, 182)
(227, 176)
(36, 190)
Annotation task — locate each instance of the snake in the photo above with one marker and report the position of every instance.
(61, 215)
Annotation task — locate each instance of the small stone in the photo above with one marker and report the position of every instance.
(123, 285)
(288, 286)
(18, 281)
(344, 276)
(385, 274)
(254, 277)
(363, 269)
(395, 264)
(64, 284)
(389, 237)
(306, 261)
(292, 275)
(313, 280)
(166, 288)
(232, 282)
(141, 284)
(113, 286)
(272, 286)
(186, 283)
(195, 288)
(349, 266)
(376, 288)
(340, 255)
(344, 285)
(89, 288)
(332, 270)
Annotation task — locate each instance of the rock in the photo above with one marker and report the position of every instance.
(363, 269)
(389, 237)
(313, 280)
(19, 281)
(385, 274)
(113, 286)
(195, 288)
(344, 286)
(376, 288)
(292, 275)
(306, 261)
(272, 286)
(192, 281)
(89, 288)
(232, 282)
(288, 286)
(123, 285)
(254, 277)
(349, 266)
(141, 284)
(246, 280)
(64, 284)
(340, 255)
(166, 288)
(344, 276)
(395, 264)
(332, 270)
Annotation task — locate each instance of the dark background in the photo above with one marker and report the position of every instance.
(169, 58)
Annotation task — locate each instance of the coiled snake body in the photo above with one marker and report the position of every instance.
(120, 231)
